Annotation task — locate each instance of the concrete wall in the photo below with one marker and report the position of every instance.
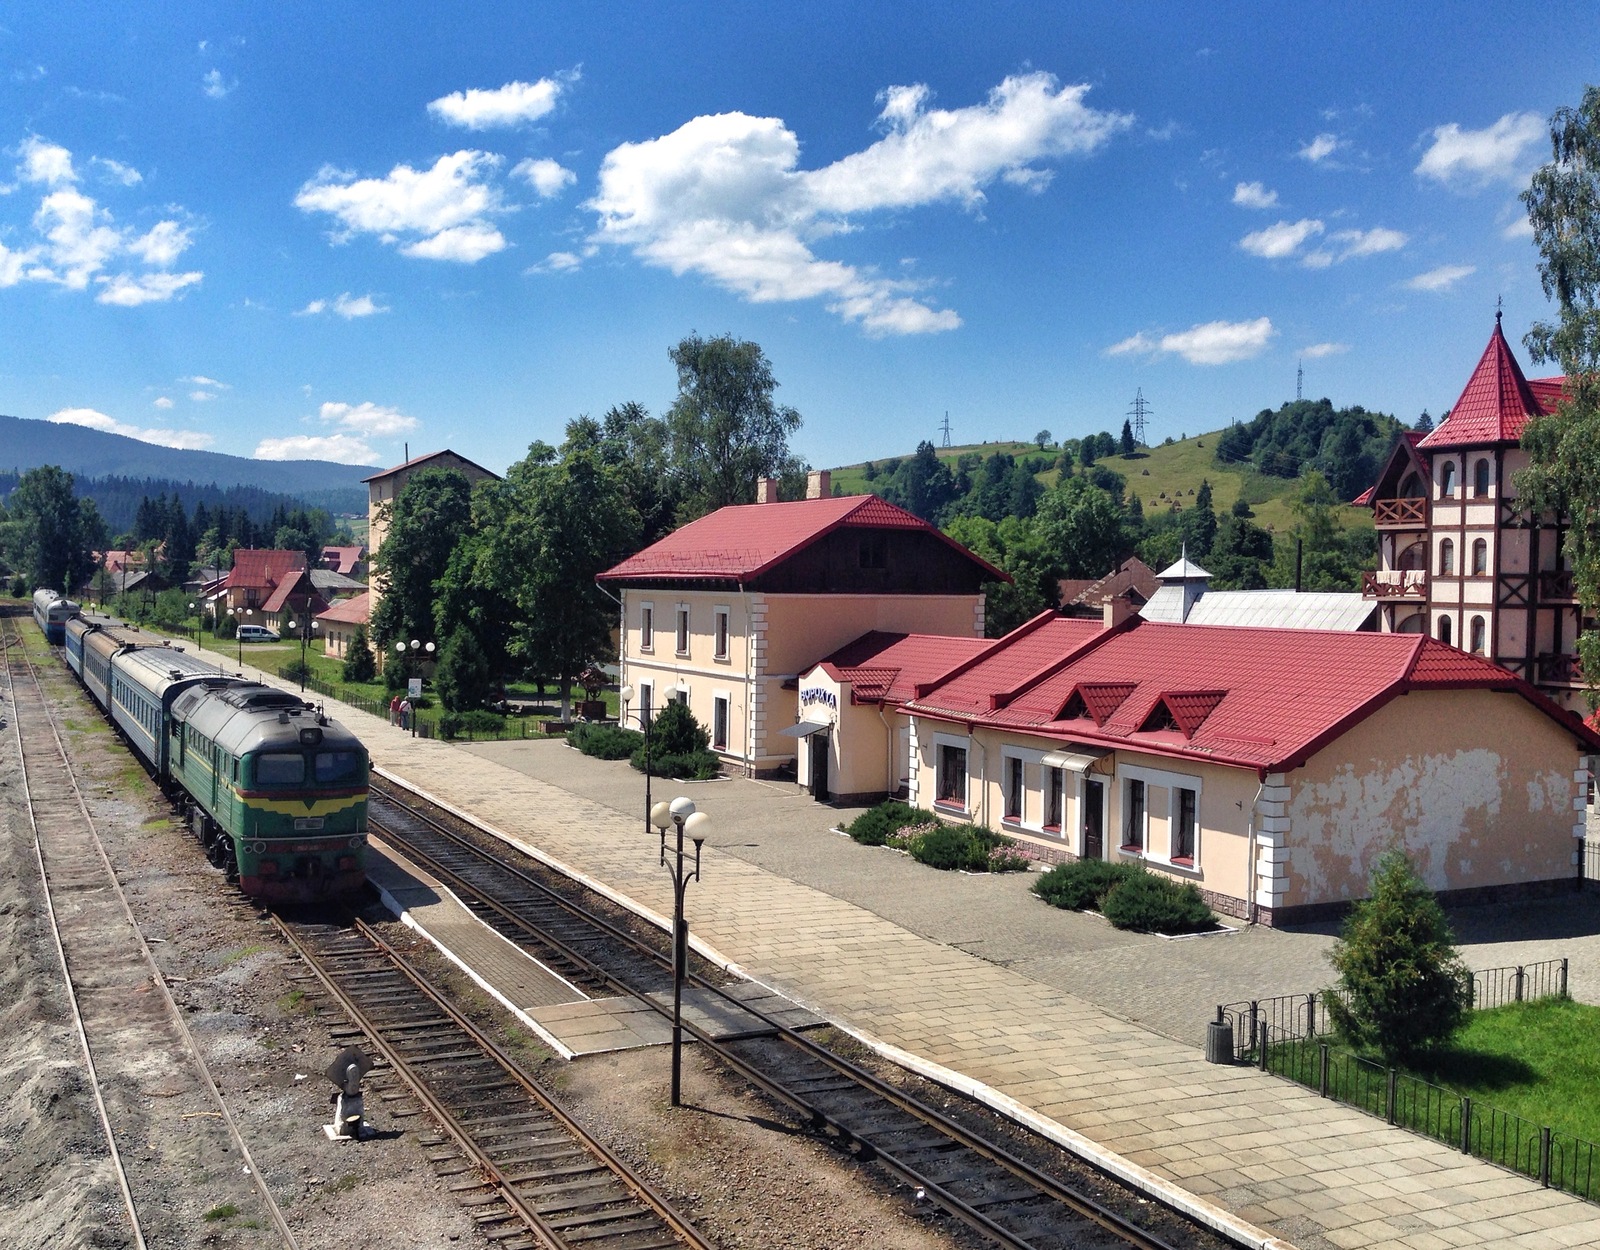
(1478, 788)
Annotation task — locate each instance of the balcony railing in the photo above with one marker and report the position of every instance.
(1400, 513)
(1557, 586)
(1559, 670)
(1395, 584)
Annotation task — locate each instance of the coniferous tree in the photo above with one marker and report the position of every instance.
(359, 662)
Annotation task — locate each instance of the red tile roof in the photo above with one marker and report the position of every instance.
(1267, 699)
(261, 569)
(342, 559)
(885, 666)
(1496, 404)
(744, 540)
(1015, 661)
(356, 610)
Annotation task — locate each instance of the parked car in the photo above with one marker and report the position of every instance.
(257, 633)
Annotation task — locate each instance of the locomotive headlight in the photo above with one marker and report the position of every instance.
(310, 737)
(355, 843)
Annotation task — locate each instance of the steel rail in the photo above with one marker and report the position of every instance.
(452, 1124)
(1080, 1204)
(160, 981)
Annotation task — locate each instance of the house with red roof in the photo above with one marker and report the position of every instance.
(268, 587)
(1268, 767)
(338, 624)
(1460, 556)
(726, 612)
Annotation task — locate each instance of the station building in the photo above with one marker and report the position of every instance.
(1268, 767)
(725, 613)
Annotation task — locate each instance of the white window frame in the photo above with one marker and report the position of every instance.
(719, 634)
(680, 636)
(647, 626)
(1049, 777)
(1172, 783)
(961, 742)
(725, 698)
(1125, 784)
(647, 710)
(1031, 766)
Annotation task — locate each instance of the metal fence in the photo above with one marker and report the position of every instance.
(1590, 860)
(1284, 1035)
(427, 723)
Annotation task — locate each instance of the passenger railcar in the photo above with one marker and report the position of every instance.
(145, 681)
(100, 640)
(52, 611)
(277, 788)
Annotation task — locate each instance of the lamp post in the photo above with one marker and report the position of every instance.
(681, 813)
(307, 627)
(402, 649)
(239, 618)
(626, 695)
(198, 622)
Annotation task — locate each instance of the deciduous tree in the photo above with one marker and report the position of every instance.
(426, 519)
(54, 537)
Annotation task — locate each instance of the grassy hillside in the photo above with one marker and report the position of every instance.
(1176, 469)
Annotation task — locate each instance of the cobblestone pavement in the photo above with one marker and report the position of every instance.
(1172, 987)
(1232, 1145)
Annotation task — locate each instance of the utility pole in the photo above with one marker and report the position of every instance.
(944, 429)
(1138, 413)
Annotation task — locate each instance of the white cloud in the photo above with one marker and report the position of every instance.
(1213, 343)
(79, 242)
(116, 171)
(45, 163)
(1518, 228)
(345, 305)
(510, 105)
(201, 397)
(1318, 350)
(191, 440)
(722, 196)
(200, 379)
(1369, 242)
(131, 290)
(547, 177)
(558, 262)
(1498, 153)
(439, 214)
(161, 401)
(215, 86)
(1320, 148)
(1440, 279)
(1254, 195)
(1283, 238)
(342, 448)
(367, 418)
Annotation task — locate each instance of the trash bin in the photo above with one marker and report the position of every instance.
(1219, 1042)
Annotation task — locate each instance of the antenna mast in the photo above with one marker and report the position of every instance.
(1138, 413)
(944, 428)
(1299, 378)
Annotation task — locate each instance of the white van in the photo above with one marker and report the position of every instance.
(257, 633)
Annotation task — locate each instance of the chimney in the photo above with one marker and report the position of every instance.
(1116, 609)
(818, 484)
(767, 490)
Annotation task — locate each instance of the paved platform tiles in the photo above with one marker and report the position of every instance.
(569, 1021)
(1233, 1145)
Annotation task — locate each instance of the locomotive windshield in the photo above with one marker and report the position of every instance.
(280, 770)
(337, 766)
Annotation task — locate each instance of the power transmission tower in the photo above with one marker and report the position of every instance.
(1138, 413)
(1299, 378)
(945, 429)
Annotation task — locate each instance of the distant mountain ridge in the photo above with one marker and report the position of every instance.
(26, 444)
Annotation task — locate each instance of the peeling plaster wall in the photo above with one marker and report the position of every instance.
(1476, 787)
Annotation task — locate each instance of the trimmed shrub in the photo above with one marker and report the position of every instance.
(971, 848)
(1147, 902)
(875, 826)
(675, 735)
(1080, 886)
(477, 722)
(294, 670)
(605, 742)
(1404, 987)
(688, 766)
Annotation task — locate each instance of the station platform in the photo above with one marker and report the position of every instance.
(1256, 1157)
(568, 1021)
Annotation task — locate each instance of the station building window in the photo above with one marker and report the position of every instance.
(683, 629)
(1014, 792)
(719, 723)
(1055, 801)
(950, 785)
(1185, 824)
(647, 627)
(1134, 815)
(721, 634)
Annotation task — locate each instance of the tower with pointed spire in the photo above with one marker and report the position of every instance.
(1460, 556)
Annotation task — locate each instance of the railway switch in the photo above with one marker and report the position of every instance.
(346, 1071)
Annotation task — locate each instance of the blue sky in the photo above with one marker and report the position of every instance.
(330, 230)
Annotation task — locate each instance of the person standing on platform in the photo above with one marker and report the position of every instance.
(394, 709)
(405, 713)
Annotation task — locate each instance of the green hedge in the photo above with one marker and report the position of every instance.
(477, 721)
(877, 825)
(1127, 895)
(1080, 886)
(605, 742)
(970, 848)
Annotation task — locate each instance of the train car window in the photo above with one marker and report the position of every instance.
(280, 770)
(339, 765)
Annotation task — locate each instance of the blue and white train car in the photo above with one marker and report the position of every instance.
(100, 639)
(52, 611)
(144, 682)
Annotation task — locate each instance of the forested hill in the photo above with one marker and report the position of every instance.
(94, 453)
(1347, 445)
(118, 498)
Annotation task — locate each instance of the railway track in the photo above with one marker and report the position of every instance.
(130, 1039)
(530, 1176)
(962, 1169)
